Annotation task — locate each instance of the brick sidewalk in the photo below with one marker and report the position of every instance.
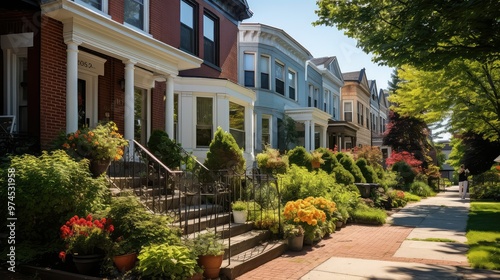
(353, 241)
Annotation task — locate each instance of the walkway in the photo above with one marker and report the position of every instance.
(397, 250)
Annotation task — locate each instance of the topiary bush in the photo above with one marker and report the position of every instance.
(368, 172)
(50, 189)
(300, 157)
(330, 160)
(405, 171)
(342, 176)
(224, 153)
(349, 164)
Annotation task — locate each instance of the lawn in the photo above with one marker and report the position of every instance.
(483, 235)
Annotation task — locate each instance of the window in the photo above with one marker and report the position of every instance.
(204, 121)
(266, 132)
(188, 24)
(237, 123)
(309, 98)
(264, 72)
(316, 97)
(334, 109)
(367, 115)
(292, 84)
(360, 114)
(279, 78)
(136, 13)
(99, 5)
(249, 69)
(326, 98)
(210, 40)
(348, 111)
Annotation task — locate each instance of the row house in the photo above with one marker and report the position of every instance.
(379, 108)
(146, 65)
(288, 82)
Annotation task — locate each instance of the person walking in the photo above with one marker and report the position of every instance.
(462, 181)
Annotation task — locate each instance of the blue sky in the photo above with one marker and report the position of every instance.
(295, 18)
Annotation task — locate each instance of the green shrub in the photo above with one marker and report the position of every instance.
(351, 166)
(412, 197)
(50, 189)
(398, 198)
(342, 176)
(486, 185)
(137, 227)
(368, 172)
(405, 171)
(165, 149)
(271, 162)
(367, 215)
(298, 182)
(330, 160)
(163, 261)
(421, 189)
(300, 157)
(224, 153)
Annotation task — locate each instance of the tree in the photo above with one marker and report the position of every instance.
(466, 93)
(287, 133)
(476, 153)
(424, 33)
(224, 153)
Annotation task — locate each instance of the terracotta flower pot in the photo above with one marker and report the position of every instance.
(211, 265)
(97, 167)
(125, 262)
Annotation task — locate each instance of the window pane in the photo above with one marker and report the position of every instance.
(187, 17)
(280, 86)
(237, 123)
(93, 3)
(248, 61)
(208, 28)
(204, 120)
(264, 80)
(249, 79)
(279, 71)
(187, 38)
(134, 13)
(209, 51)
(264, 64)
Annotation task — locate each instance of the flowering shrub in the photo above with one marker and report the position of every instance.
(85, 236)
(303, 212)
(101, 143)
(398, 198)
(406, 157)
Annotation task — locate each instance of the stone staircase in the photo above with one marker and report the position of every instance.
(247, 248)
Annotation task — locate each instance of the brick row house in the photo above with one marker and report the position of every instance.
(183, 66)
(144, 64)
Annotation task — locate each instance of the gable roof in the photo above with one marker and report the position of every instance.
(330, 64)
(358, 77)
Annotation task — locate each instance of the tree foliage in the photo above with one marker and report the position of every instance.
(466, 93)
(424, 33)
(224, 153)
(478, 153)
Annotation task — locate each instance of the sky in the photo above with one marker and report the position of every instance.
(295, 17)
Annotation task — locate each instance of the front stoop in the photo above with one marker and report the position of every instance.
(252, 258)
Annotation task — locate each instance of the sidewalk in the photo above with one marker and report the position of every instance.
(396, 250)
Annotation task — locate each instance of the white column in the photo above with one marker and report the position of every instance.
(249, 132)
(129, 102)
(187, 121)
(312, 136)
(323, 137)
(307, 135)
(72, 87)
(169, 107)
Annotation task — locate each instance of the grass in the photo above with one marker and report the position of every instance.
(367, 215)
(483, 235)
(412, 197)
(434, 239)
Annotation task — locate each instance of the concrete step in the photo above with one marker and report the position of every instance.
(252, 258)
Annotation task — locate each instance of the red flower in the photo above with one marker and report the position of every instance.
(62, 255)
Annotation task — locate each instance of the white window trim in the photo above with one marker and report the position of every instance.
(105, 6)
(295, 82)
(146, 20)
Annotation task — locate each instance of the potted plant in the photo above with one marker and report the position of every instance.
(240, 211)
(303, 212)
(165, 261)
(88, 240)
(294, 235)
(100, 146)
(124, 254)
(210, 251)
(316, 159)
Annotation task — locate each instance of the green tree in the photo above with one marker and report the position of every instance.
(287, 132)
(466, 93)
(425, 33)
(224, 153)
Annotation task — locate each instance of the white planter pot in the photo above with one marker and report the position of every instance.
(240, 217)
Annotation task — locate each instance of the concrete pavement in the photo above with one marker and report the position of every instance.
(401, 250)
